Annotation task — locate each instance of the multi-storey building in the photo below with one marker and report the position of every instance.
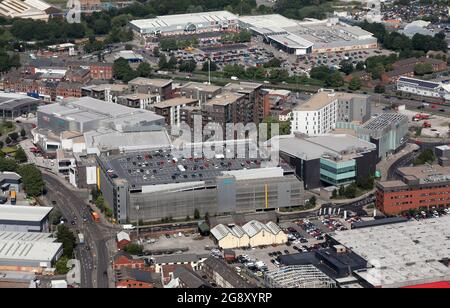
(420, 187)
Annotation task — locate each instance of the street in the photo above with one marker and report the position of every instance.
(95, 262)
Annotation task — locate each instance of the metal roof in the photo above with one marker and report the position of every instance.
(29, 251)
(23, 213)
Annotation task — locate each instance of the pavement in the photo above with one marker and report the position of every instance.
(386, 165)
(73, 277)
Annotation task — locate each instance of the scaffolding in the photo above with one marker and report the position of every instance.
(298, 276)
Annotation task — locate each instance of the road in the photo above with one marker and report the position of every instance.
(403, 161)
(95, 262)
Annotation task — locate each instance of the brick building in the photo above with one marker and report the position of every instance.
(125, 260)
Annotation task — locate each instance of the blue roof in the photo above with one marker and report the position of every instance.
(420, 83)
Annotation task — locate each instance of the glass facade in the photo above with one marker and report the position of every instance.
(337, 173)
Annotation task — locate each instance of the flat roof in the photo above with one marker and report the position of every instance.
(427, 173)
(318, 101)
(28, 251)
(420, 83)
(402, 254)
(26, 236)
(224, 99)
(24, 213)
(338, 146)
(177, 101)
(201, 87)
(384, 120)
(150, 82)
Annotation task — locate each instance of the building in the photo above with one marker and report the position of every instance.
(168, 263)
(328, 159)
(223, 275)
(402, 254)
(388, 132)
(138, 100)
(199, 91)
(124, 260)
(298, 276)
(320, 114)
(406, 68)
(24, 218)
(228, 237)
(100, 71)
(443, 154)
(87, 114)
(27, 9)
(161, 87)
(260, 234)
(106, 92)
(15, 105)
(421, 187)
(122, 239)
(188, 279)
(30, 252)
(171, 25)
(420, 87)
(214, 185)
(127, 278)
(10, 181)
(308, 36)
(129, 55)
(171, 109)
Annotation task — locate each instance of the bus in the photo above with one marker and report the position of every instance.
(95, 216)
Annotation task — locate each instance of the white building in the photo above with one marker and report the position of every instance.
(24, 218)
(423, 88)
(229, 237)
(29, 9)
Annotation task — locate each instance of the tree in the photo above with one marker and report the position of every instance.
(196, 214)
(379, 88)
(346, 67)
(14, 136)
(334, 80)
(23, 133)
(121, 69)
(162, 64)
(172, 63)
(212, 66)
(188, 66)
(423, 68)
(20, 155)
(100, 203)
(61, 266)
(342, 191)
(7, 164)
(274, 62)
(144, 69)
(334, 194)
(312, 200)
(156, 52)
(1, 144)
(133, 249)
(68, 240)
(8, 140)
(355, 84)
(32, 180)
(55, 217)
(350, 191)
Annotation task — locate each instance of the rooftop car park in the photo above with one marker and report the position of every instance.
(162, 167)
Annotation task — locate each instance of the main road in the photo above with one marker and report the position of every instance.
(95, 261)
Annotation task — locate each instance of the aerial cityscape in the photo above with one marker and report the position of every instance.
(225, 144)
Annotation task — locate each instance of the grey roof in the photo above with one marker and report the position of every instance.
(26, 236)
(180, 258)
(227, 273)
(10, 101)
(12, 176)
(384, 120)
(28, 251)
(24, 213)
(190, 279)
(137, 274)
(310, 148)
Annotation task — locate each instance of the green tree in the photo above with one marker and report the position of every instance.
(423, 68)
(55, 217)
(68, 240)
(156, 52)
(274, 62)
(312, 200)
(23, 133)
(350, 191)
(334, 194)
(20, 155)
(379, 88)
(144, 69)
(162, 64)
(346, 67)
(355, 84)
(212, 66)
(122, 69)
(61, 266)
(100, 203)
(133, 249)
(7, 164)
(8, 140)
(1, 144)
(196, 214)
(172, 63)
(188, 66)
(32, 180)
(14, 136)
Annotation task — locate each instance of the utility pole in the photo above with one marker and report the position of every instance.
(209, 71)
(137, 224)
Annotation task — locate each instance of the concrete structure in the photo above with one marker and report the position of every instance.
(199, 91)
(31, 252)
(105, 92)
(298, 276)
(155, 184)
(138, 100)
(15, 105)
(403, 254)
(328, 159)
(10, 181)
(24, 218)
(228, 237)
(308, 36)
(421, 187)
(170, 25)
(322, 111)
(388, 132)
(160, 87)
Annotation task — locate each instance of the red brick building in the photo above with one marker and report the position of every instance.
(101, 71)
(125, 260)
(420, 187)
(68, 89)
(137, 279)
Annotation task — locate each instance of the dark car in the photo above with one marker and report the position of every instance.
(286, 252)
(442, 110)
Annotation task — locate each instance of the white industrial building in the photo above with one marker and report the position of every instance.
(402, 254)
(30, 9)
(310, 35)
(24, 218)
(28, 251)
(186, 23)
(423, 88)
(252, 234)
(320, 114)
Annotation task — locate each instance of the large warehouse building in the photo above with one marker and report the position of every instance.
(186, 23)
(30, 252)
(425, 88)
(402, 254)
(154, 185)
(329, 159)
(15, 105)
(310, 35)
(24, 218)
(29, 9)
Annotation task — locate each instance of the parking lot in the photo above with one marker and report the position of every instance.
(180, 242)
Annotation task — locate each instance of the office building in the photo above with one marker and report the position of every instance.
(421, 187)
(24, 218)
(328, 159)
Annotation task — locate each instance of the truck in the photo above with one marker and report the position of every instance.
(128, 227)
(13, 196)
(95, 216)
(80, 238)
(421, 116)
(426, 124)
